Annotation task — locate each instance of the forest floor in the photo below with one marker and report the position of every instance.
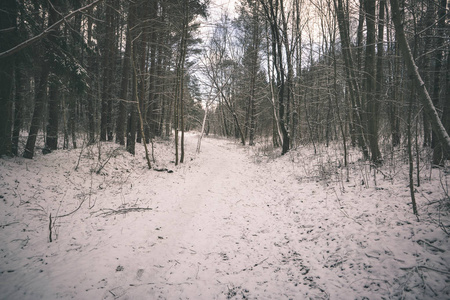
(231, 222)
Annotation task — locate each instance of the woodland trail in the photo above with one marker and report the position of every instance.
(216, 234)
(227, 224)
(210, 228)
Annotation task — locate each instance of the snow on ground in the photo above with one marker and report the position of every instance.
(230, 223)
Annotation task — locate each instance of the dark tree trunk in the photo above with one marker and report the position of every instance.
(8, 14)
(36, 120)
(424, 97)
(41, 91)
(370, 71)
(18, 110)
(254, 72)
(51, 142)
(123, 95)
(132, 116)
(92, 66)
(351, 76)
(53, 116)
(107, 63)
(446, 104)
(438, 153)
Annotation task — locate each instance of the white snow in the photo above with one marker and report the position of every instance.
(232, 222)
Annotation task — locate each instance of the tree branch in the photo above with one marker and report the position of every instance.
(43, 34)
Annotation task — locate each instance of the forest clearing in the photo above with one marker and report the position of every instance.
(233, 222)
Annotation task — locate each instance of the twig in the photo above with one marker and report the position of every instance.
(8, 224)
(255, 265)
(428, 268)
(342, 210)
(72, 212)
(378, 169)
(104, 164)
(50, 228)
(111, 211)
(429, 245)
(139, 284)
(79, 157)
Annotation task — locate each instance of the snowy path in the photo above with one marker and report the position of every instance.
(215, 234)
(220, 227)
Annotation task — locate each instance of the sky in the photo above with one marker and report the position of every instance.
(223, 5)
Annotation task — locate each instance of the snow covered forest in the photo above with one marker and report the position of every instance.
(215, 149)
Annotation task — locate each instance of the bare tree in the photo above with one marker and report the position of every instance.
(424, 96)
(274, 13)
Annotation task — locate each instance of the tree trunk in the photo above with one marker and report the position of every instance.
(36, 120)
(41, 92)
(91, 67)
(205, 116)
(183, 74)
(351, 76)
(18, 109)
(8, 15)
(370, 74)
(123, 95)
(271, 12)
(51, 142)
(132, 117)
(438, 153)
(107, 62)
(253, 74)
(410, 156)
(424, 96)
(53, 116)
(150, 115)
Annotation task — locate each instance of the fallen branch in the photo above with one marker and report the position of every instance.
(255, 265)
(426, 267)
(111, 154)
(140, 284)
(341, 209)
(163, 170)
(50, 229)
(8, 224)
(76, 209)
(110, 211)
(420, 242)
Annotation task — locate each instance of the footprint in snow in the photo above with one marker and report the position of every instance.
(139, 274)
